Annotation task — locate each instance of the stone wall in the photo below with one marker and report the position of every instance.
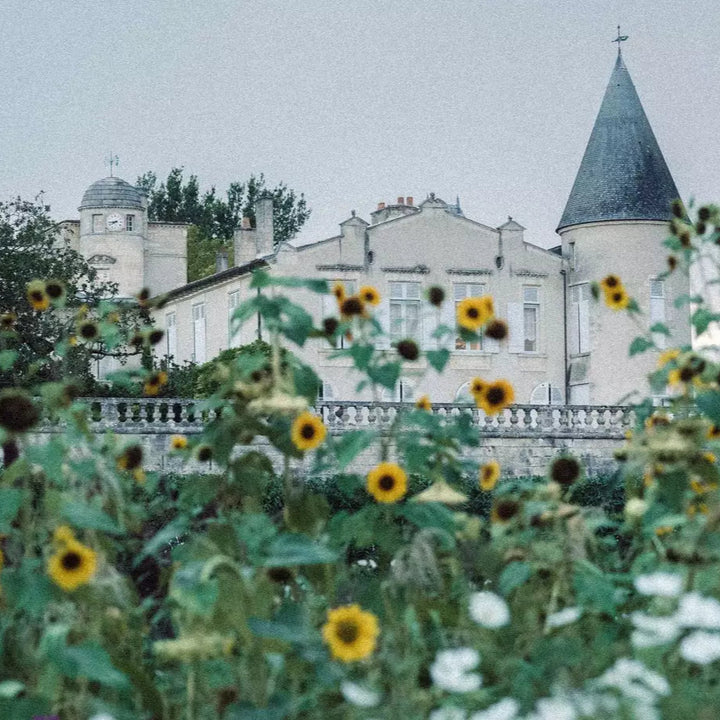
(524, 438)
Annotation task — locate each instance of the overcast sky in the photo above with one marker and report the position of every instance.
(351, 103)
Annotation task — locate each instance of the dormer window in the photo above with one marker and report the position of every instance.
(129, 222)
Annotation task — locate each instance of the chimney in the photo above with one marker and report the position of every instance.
(401, 200)
(409, 200)
(221, 261)
(264, 225)
(246, 225)
(381, 206)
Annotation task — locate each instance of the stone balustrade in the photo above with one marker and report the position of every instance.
(187, 416)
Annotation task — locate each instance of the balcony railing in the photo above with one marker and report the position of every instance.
(183, 415)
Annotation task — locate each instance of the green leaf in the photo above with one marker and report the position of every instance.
(289, 625)
(709, 403)
(350, 444)
(701, 318)
(10, 502)
(299, 323)
(593, 588)
(253, 531)
(438, 358)
(306, 381)
(385, 375)
(640, 345)
(430, 515)
(361, 355)
(7, 359)
(262, 278)
(82, 515)
(661, 328)
(169, 535)
(289, 549)
(90, 660)
(686, 299)
(191, 591)
(27, 587)
(513, 576)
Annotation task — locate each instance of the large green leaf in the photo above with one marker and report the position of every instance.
(262, 278)
(90, 660)
(10, 502)
(87, 516)
(193, 592)
(386, 375)
(513, 576)
(438, 358)
(640, 345)
(352, 443)
(289, 549)
(709, 403)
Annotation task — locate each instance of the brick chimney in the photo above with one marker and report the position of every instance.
(250, 242)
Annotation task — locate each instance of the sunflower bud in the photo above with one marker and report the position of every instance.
(436, 295)
(408, 349)
(18, 413)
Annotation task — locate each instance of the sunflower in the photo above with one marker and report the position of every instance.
(18, 413)
(435, 295)
(408, 349)
(351, 306)
(7, 320)
(477, 386)
(387, 482)
(72, 565)
(504, 510)
(55, 290)
(667, 356)
(307, 431)
(154, 382)
(496, 396)
(131, 458)
(369, 295)
(351, 633)
(204, 453)
(423, 403)
(88, 330)
(610, 283)
(36, 295)
(338, 290)
(497, 329)
(143, 297)
(713, 432)
(565, 470)
(473, 312)
(489, 475)
(617, 299)
(178, 442)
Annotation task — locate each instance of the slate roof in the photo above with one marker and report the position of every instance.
(623, 174)
(111, 192)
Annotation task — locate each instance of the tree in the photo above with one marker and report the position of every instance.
(214, 218)
(32, 249)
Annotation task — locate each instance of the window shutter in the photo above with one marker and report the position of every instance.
(490, 345)
(429, 325)
(516, 327)
(584, 325)
(448, 317)
(382, 315)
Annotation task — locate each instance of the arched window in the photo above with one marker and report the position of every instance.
(546, 394)
(463, 394)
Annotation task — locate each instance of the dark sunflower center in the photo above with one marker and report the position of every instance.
(487, 473)
(53, 290)
(36, 295)
(565, 471)
(472, 313)
(611, 281)
(307, 431)
(506, 509)
(71, 560)
(347, 631)
(617, 297)
(88, 331)
(496, 396)
(386, 483)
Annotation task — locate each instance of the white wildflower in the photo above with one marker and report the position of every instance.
(651, 630)
(489, 610)
(555, 709)
(448, 712)
(695, 610)
(701, 647)
(635, 681)
(635, 508)
(359, 695)
(102, 716)
(563, 617)
(661, 584)
(451, 670)
(506, 709)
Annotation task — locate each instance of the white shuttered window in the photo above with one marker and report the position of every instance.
(199, 338)
(171, 335)
(233, 302)
(657, 309)
(405, 318)
(579, 320)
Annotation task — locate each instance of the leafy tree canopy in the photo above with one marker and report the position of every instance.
(214, 217)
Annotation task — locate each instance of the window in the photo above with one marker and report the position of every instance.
(170, 335)
(97, 223)
(462, 291)
(546, 394)
(657, 310)
(103, 275)
(233, 302)
(404, 310)
(330, 306)
(579, 320)
(198, 316)
(531, 313)
(129, 222)
(404, 391)
(325, 392)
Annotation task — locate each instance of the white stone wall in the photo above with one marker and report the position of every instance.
(165, 257)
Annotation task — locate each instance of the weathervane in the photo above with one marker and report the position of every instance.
(112, 160)
(620, 38)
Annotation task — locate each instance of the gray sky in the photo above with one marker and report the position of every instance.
(351, 103)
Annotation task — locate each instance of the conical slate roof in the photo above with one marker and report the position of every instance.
(111, 192)
(623, 175)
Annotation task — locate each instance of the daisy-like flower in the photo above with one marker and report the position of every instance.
(617, 299)
(659, 584)
(447, 712)
(143, 297)
(697, 611)
(451, 670)
(352, 306)
(154, 382)
(368, 294)
(489, 610)
(651, 630)
(423, 403)
(338, 290)
(36, 295)
(178, 442)
(477, 387)
(701, 647)
(359, 695)
(495, 397)
(565, 470)
(473, 312)
(488, 475)
(72, 566)
(351, 633)
(610, 283)
(506, 709)
(307, 431)
(387, 482)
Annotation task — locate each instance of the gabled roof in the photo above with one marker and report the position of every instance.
(623, 174)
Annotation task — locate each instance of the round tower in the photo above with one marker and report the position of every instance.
(614, 223)
(113, 230)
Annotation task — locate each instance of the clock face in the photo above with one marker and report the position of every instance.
(114, 222)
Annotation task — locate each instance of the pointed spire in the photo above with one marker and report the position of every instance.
(623, 174)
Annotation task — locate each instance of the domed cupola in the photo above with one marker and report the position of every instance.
(112, 192)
